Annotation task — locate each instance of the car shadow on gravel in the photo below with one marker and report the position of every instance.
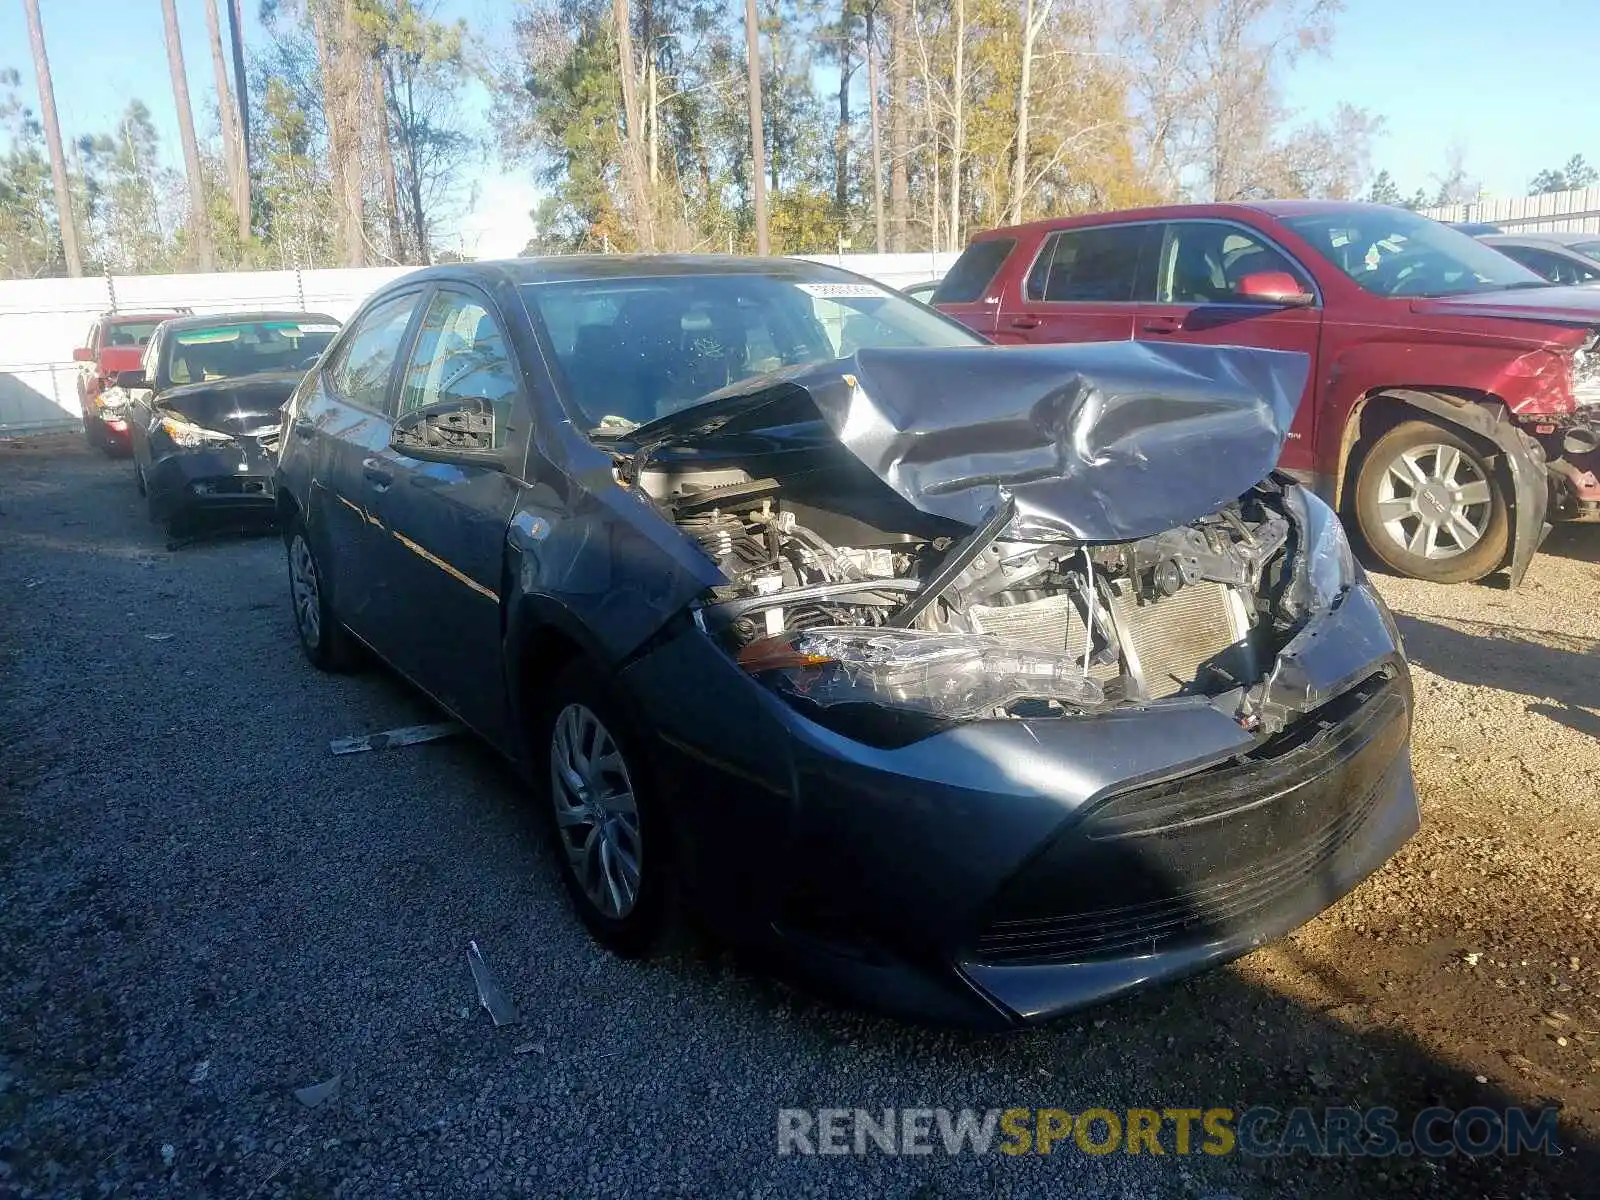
(1578, 542)
(1557, 670)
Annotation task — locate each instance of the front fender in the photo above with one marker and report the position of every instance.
(1524, 461)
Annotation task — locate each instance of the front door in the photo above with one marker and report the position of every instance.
(1082, 287)
(1201, 296)
(441, 572)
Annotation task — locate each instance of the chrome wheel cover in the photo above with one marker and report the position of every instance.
(1434, 501)
(304, 591)
(597, 817)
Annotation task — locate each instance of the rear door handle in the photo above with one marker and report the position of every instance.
(375, 473)
(1024, 322)
(1162, 324)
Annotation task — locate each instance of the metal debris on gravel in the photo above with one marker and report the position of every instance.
(490, 994)
(315, 1094)
(389, 739)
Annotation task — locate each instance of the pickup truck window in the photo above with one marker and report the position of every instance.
(974, 271)
(1390, 252)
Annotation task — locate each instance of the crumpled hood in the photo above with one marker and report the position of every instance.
(242, 405)
(1100, 442)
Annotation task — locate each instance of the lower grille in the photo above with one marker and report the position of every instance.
(1170, 642)
(1189, 860)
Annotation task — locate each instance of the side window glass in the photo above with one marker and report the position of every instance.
(979, 263)
(460, 361)
(1202, 262)
(1088, 265)
(361, 367)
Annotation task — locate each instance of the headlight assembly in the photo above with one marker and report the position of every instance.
(946, 676)
(192, 437)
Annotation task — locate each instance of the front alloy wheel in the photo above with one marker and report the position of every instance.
(1431, 505)
(611, 837)
(597, 817)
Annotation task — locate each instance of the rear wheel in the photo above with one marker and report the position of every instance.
(611, 835)
(1431, 505)
(326, 643)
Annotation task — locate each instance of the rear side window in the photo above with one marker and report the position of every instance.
(973, 272)
(361, 367)
(1088, 264)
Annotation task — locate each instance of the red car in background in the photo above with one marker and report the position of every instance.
(1454, 395)
(115, 343)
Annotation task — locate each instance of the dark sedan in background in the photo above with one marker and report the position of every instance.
(204, 413)
(1566, 258)
(949, 670)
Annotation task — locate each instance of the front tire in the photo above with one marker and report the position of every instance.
(326, 643)
(611, 836)
(1431, 505)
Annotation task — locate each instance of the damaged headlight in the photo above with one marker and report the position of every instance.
(1327, 568)
(940, 676)
(191, 436)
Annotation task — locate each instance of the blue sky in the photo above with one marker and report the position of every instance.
(1513, 85)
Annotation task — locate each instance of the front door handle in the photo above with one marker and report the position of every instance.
(1162, 324)
(303, 427)
(376, 474)
(1024, 322)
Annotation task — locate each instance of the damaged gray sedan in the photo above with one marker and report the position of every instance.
(980, 683)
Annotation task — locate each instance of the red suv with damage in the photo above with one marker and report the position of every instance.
(115, 343)
(1454, 395)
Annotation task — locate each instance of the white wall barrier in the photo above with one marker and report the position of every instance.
(43, 320)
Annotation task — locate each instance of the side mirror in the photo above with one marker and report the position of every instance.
(1274, 287)
(458, 431)
(82, 354)
(128, 380)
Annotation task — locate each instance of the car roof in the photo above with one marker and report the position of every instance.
(206, 320)
(562, 268)
(1172, 212)
(160, 314)
(1543, 237)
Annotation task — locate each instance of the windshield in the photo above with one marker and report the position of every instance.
(234, 348)
(631, 350)
(1391, 252)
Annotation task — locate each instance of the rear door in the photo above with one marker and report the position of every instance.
(341, 426)
(438, 579)
(1083, 286)
(970, 292)
(1198, 298)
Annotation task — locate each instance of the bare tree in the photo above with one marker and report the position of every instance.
(899, 122)
(199, 225)
(1034, 15)
(236, 41)
(333, 25)
(872, 107)
(958, 124)
(228, 118)
(758, 148)
(633, 151)
(391, 183)
(52, 133)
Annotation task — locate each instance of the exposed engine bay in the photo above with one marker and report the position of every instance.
(1050, 627)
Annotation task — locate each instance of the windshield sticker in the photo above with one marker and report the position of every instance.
(841, 291)
(318, 327)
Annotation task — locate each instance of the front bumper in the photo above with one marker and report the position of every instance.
(227, 483)
(1003, 872)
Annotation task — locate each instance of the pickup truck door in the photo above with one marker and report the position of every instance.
(439, 579)
(1201, 295)
(1083, 286)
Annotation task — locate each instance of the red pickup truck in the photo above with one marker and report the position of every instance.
(1454, 395)
(115, 343)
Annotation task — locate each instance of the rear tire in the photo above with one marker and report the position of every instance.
(1432, 505)
(610, 832)
(326, 643)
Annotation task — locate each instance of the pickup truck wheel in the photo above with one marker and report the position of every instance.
(611, 838)
(326, 643)
(1431, 505)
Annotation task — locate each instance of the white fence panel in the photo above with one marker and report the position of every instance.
(1576, 211)
(43, 320)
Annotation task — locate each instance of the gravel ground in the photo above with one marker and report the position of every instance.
(204, 910)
